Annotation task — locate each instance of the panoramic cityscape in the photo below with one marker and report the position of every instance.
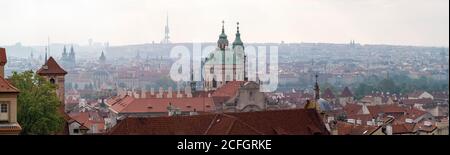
(228, 83)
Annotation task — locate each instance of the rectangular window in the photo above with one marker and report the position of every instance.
(75, 130)
(4, 115)
(3, 108)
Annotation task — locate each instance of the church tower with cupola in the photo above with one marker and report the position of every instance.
(222, 43)
(225, 64)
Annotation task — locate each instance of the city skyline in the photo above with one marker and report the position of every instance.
(401, 22)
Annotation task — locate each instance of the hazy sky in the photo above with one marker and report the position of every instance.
(401, 22)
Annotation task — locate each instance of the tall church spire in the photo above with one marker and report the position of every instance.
(45, 60)
(222, 43)
(316, 89)
(237, 40)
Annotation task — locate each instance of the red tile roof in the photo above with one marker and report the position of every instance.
(51, 67)
(295, 122)
(386, 109)
(405, 128)
(89, 119)
(353, 109)
(350, 129)
(129, 104)
(6, 87)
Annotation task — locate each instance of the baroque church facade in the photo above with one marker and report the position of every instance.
(225, 63)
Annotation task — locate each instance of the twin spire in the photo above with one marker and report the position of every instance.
(223, 41)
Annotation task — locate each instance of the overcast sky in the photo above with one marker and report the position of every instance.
(399, 22)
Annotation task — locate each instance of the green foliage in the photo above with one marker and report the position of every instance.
(37, 110)
(166, 82)
(362, 89)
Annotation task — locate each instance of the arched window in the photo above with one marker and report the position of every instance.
(52, 80)
(214, 83)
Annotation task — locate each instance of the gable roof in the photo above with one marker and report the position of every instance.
(51, 67)
(296, 122)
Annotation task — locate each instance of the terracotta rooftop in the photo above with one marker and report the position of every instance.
(386, 109)
(353, 109)
(6, 87)
(88, 119)
(51, 67)
(403, 128)
(350, 129)
(129, 104)
(279, 122)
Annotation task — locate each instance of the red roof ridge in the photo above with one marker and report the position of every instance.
(51, 67)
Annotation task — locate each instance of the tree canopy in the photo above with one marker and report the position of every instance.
(37, 110)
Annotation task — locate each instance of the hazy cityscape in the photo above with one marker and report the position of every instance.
(347, 88)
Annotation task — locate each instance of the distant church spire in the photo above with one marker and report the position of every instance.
(45, 60)
(316, 89)
(237, 40)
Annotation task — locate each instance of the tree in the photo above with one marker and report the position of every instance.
(388, 85)
(362, 90)
(37, 102)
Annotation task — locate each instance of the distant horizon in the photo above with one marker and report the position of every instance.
(390, 22)
(212, 42)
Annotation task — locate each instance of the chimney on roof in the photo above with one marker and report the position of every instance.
(188, 92)
(193, 112)
(129, 93)
(135, 94)
(388, 129)
(161, 92)
(179, 95)
(3, 60)
(169, 92)
(143, 93)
